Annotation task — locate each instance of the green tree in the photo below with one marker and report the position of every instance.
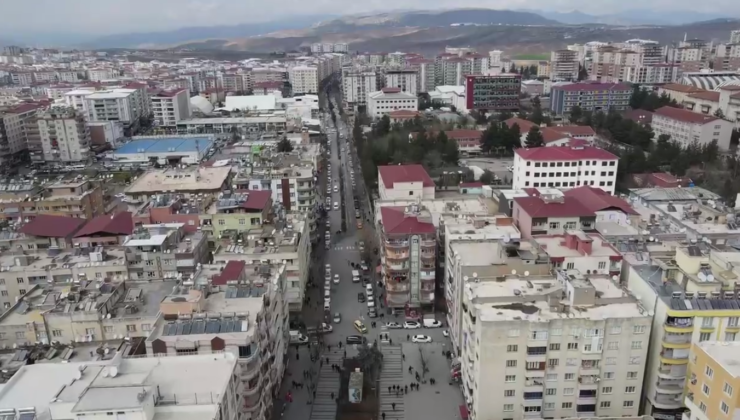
(370, 359)
(512, 68)
(383, 126)
(487, 177)
(719, 114)
(284, 145)
(534, 137)
(575, 114)
(512, 137)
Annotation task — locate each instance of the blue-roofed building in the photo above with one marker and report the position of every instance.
(165, 149)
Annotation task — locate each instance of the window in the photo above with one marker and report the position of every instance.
(611, 360)
(638, 329)
(636, 345)
(508, 407)
(513, 333)
(554, 225)
(570, 266)
(629, 390)
(511, 363)
(146, 327)
(130, 328)
(56, 333)
(732, 321)
(612, 345)
(572, 346)
(509, 393)
(22, 291)
(727, 389)
(635, 360)
(567, 405)
(4, 293)
(20, 334)
(108, 329)
(549, 406)
(724, 407)
(730, 336)
(709, 372)
(570, 376)
(628, 404)
(602, 265)
(555, 346)
(606, 390)
(606, 404)
(90, 331)
(705, 336)
(510, 378)
(707, 322)
(221, 222)
(705, 389)
(512, 348)
(551, 391)
(631, 375)
(553, 362)
(20, 280)
(608, 375)
(556, 332)
(532, 409)
(568, 391)
(242, 221)
(551, 377)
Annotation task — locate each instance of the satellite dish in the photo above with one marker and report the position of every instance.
(615, 277)
(113, 371)
(710, 277)
(526, 273)
(702, 276)
(513, 272)
(475, 275)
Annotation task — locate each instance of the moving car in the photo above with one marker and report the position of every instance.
(336, 188)
(328, 223)
(336, 206)
(337, 318)
(336, 279)
(411, 325)
(355, 276)
(361, 297)
(360, 327)
(361, 245)
(355, 339)
(297, 338)
(393, 325)
(325, 328)
(421, 339)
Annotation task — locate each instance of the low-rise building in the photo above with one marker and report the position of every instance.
(388, 100)
(237, 212)
(468, 141)
(156, 252)
(165, 150)
(170, 107)
(173, 208)
(404, 182)
(211, 180)
(714, 379)
(686, 127)
(243, 125)
(291, 186)
(79, 199)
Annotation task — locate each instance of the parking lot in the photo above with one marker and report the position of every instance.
(496, 165)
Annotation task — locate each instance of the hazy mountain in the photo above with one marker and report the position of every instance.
(630, 17)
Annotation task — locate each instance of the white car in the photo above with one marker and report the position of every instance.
(328, 223)
(411, 325)
(393, 325)
(445, 333)
(432, 323)
(336, 279)
(510, 168)
(336, 189)
(421, 339)
(336, 206)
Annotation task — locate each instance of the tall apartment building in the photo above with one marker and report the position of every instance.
(493, 93)
(64, 135)
(687, 127)
(558, 346)
(451, 69)
(358, 84)
(97, 75)
(494, 58)
(269, 74)
(17, 125)
(714, 379)
(206, 387)
(693, 303)
(564, 66)
(292, 187)
(425, 76)
(319, 48)
(237, 309)
(735, 37)
(565, 167)
(125, 105)
(408, 254)
(406, 80)
(590, 97)
(304, 79)
(170, 107)
(164, 251)
(727, 57)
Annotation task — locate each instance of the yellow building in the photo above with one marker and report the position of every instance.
(236, 213)
(714, 372)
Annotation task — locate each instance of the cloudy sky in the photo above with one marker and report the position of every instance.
(109, 16)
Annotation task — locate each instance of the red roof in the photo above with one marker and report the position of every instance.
(593, 86)
(684, 115)
(20, 109)
(403, 113)
(404, 173)
(575, 130)
(681, 88)
(730, 87)
(169, 93)
(549, 135)
(395, 221)
(597, 199)
(231, 272)
(524, 125)
(565, 153)
(47, 226)
(537, 207)
(707, 96)
(116, 224)
(471, 185)
(390, 90)
(257, 200)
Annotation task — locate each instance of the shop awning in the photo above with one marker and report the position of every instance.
(463, 412)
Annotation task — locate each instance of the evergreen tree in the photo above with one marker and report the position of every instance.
(534, 137)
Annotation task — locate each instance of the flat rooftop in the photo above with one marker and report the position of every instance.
(180, 180)
(259, 119)
(441, 207)
(166, 145)
(459, 228)
(725, 354)
(477, 253)
(555, 246)
(72, 261)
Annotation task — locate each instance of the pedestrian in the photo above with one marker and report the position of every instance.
(390, 340)
(408, 337)
(332, 395)
(345, 354)
(403, 356)
(327, 360)
(321, 363)
(340, 344)
(389, 390)
(406, 389)
(410, 369)
(329, 347)
(314, 394)
(392, 405)
(383, 415)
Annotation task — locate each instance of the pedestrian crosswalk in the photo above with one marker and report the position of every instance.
(391, 403)
(345, 248)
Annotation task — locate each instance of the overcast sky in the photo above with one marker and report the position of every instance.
(109, 16)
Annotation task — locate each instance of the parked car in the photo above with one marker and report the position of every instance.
(421, 339)
(336, 279)
(355, 339)
(337, 318)
(432, 323)
(393, 325)
(361, 297)
(411, 325)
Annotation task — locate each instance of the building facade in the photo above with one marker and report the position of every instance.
(170, 107)
(64, 136)
(493, 93)
(388, 100)
(686, 127)
(564, 65)
(592, 97)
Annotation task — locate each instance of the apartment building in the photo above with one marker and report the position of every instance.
(408, 254)
(64, 135)
(285, 240)
(246, 319)
(99, 75)
(170, 107)
(116, 105)
(156, 252)
(17, 126)
(205, 180)
(564, 65)
(402, 79)
(714, 379)
(425, 76)
(691, 296)
(206, 387)
(549, 211)
(727, 57)
(269, 74)
(686, 127)
(77, 199)
(292, 187)
(235, 212)
(565, 167)
(388, 100)
(405, 182)
(493, 93)
(257, 124)
(592, 97)
(725, 100)
(173, 208)
(562, 345)
(304, 79)
(358, 84)
(735, 37)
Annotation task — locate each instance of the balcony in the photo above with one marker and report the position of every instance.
(670, 371)
(396, 244)
(427, 275)
(674, 357)
(397, 286)
(533, 384)
(670, 387)
(428, 243)
(391, 255)
(679, 325)
(666, 402)
(588, 382)
(677, 341)
(396, 266)
(536, 354)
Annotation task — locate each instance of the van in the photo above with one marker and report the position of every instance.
(360, 327)
(431, 323)
(355, 276)
(297, 338)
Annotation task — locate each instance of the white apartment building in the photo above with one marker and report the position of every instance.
(406, 80)
(494, 58)
(64, 135)
(404, 182)
(76, 98)
(304, 79)
(199, 387)
(693, 302)
(425, 74)
(388, 100)
(565, 167)
(564, 66)
(686, 127)
(552, 346)
(735, 37)
(293, 187)
(97, 75)
(68, 76)
(115, 105)
(358, 84)
(171, 107)
(17, 129)
(318, 48)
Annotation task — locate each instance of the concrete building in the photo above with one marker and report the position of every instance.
(583, 343)
(236, 212)
(64, 135)
(589, 97)
(196, 387)
(735, 37)
(116, 105)
(405, 182)
(564, 65)
(304, 79)
(565, 167)
(293, 187)
(184, 181)
(164, 251)
(388, 100)
(237, 309)
(358, 84)
(100, 74)
(727, 58)
(170, 107)
(406, 80)
(725, 101)
(714, 379)
(78, 199)
(689, 291)
(425, 77)
(165, 150)
(245, 125)
(686, 127)
(468, 141)
(17, 127)
(493, 93)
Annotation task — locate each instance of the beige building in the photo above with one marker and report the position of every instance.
(64, 136)
(552, 347)
(714, 377)
(564, 66)
(165, 250)
(81, 199)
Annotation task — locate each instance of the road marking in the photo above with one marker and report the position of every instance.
(345, 248)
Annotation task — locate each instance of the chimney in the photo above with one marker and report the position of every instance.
(585, 244)
(571, 241)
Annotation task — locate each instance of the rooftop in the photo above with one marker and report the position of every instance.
(406, 220)
(564, 153)
(48, 226)
(253, 200)
(724, 353)
(392, 174)
(594, 87)
(180, 180)
(165, 145)
(116, 224)
(684, 115)
(556, 245)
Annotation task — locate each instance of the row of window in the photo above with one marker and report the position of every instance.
(88, 331)
(569, 391)
(585, 364)
(566, 174)
(576, 332)
(565, 405)
(573, 164)
(568, 184)
(611, 345)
